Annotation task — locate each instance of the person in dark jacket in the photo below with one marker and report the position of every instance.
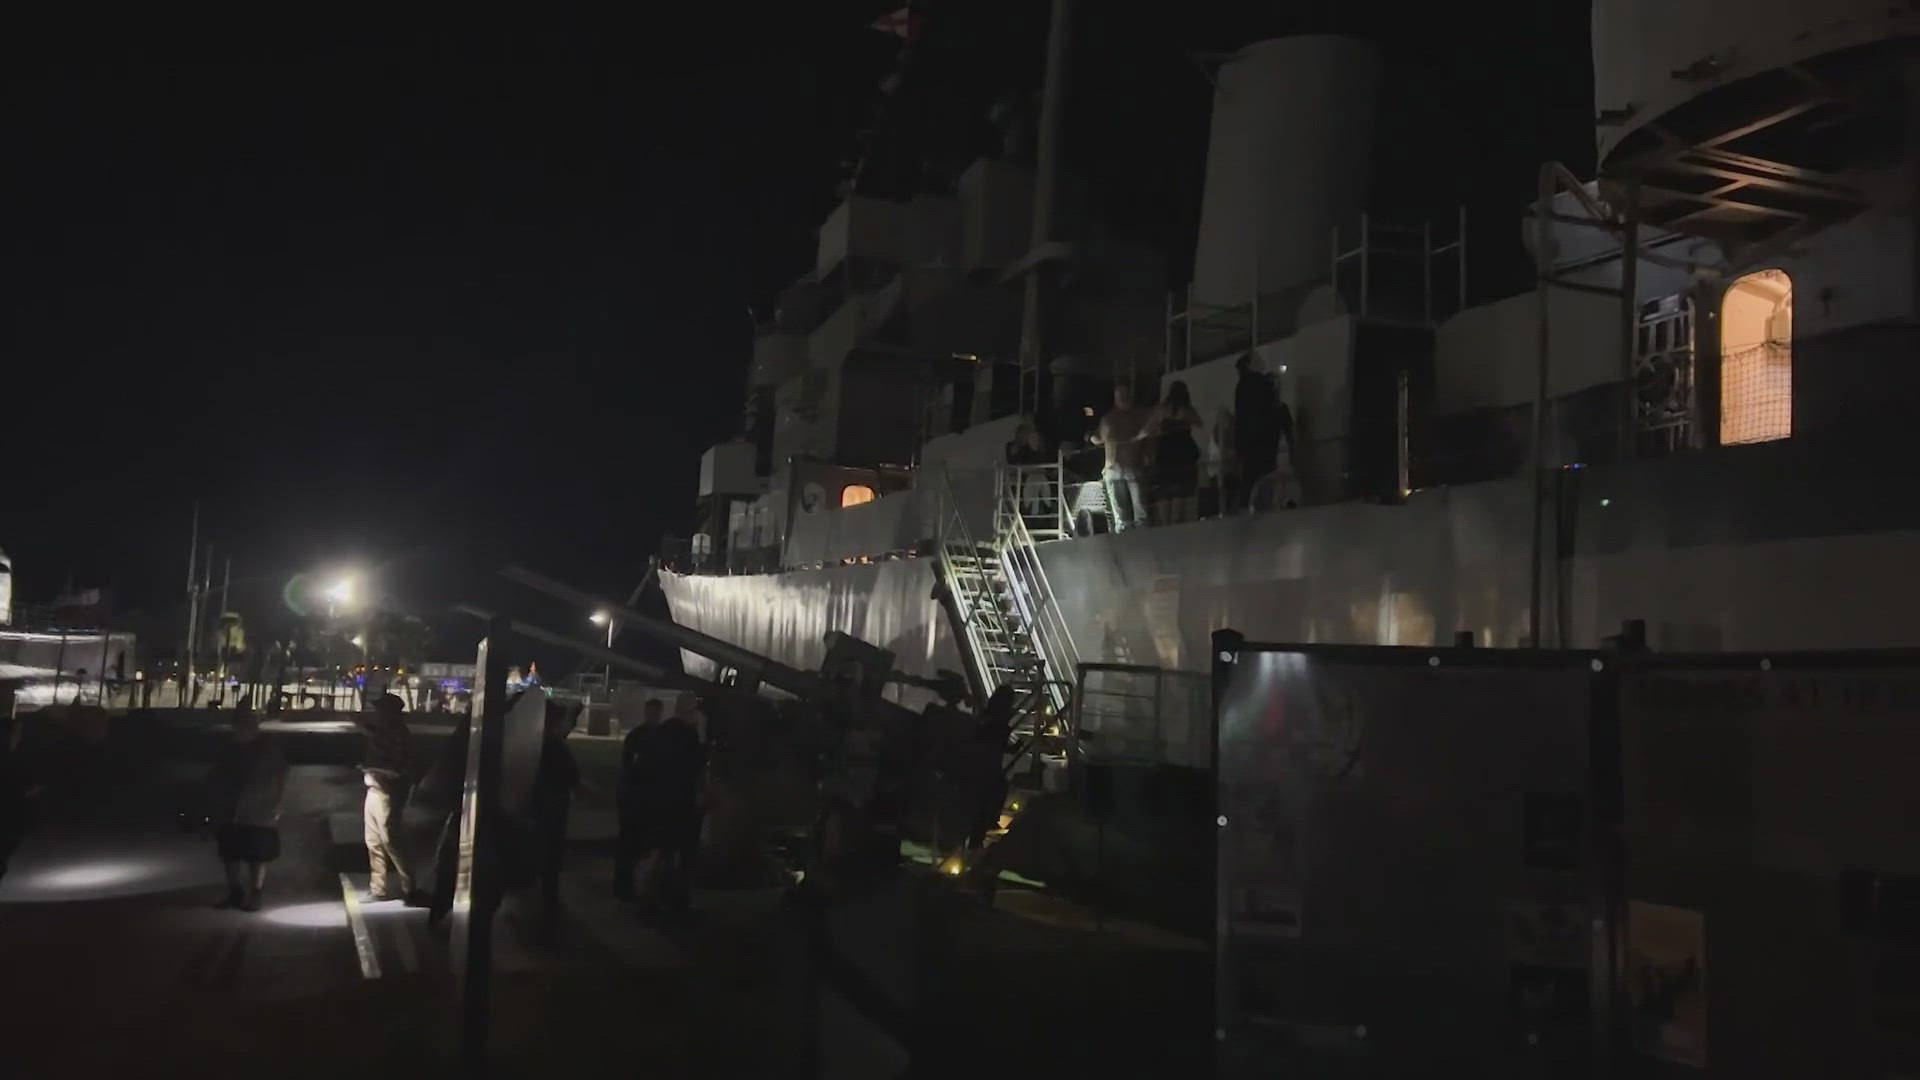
(667, 775)
(447, 783)
(553, 784)
(16, 790)
(986, 779)
(634, 827)
(386, 769)
(1260, 421)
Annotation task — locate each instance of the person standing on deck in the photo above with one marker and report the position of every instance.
(1123, 431)
(1256, 425)
(385, 769)
(1173, 425)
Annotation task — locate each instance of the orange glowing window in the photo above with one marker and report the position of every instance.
(1756, 359)
(854, 495)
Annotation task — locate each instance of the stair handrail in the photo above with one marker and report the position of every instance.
(1034, 597)
(952, 524)
(1014, 486)
(1038, 692)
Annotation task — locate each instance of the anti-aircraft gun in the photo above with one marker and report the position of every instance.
(879, 772)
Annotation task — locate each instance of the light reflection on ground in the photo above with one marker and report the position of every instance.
(326, 914)
(43, 873)
(92, 876)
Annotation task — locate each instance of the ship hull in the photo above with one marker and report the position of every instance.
(1757, 548)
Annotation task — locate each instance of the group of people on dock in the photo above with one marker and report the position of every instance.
(661, 798)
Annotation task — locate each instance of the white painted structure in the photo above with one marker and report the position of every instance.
(1798, 533)
(1288, 158)
(1652, 56)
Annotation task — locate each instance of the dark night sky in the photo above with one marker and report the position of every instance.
(428, 298)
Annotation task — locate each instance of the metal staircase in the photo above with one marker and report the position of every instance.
(1007, 617)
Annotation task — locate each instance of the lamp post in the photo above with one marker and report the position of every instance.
(602, 618)
(359, 641)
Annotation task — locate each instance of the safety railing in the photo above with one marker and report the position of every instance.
(1038, 725)
(1039, 609)
(1035, 494)
(964, 567)
(1140, 713)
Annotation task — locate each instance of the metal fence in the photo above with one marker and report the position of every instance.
(1130, 713)
(1539, 863)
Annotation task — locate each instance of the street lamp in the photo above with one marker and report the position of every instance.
(604, 618)
(359, 641)
(341, 595)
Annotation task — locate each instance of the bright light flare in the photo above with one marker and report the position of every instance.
(359, 641)
(599, 618)
(341, 592)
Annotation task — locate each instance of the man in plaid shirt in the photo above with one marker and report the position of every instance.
(385, 768)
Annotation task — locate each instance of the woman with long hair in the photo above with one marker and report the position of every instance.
(1176, 460)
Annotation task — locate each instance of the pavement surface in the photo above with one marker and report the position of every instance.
(117, 964)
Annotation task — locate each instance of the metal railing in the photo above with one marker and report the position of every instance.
(981, 619)
(1034, 599)
(1039, 725)
(1032, 493)
(1007, 607)
(1141, 713)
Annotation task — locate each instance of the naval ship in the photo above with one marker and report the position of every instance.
(1690, 425)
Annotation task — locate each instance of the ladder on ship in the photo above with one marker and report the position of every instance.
(1004, 609)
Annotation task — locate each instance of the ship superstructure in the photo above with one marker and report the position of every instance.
(1693, 420)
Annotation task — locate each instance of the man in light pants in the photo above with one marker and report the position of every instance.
(385, 768)
(1123, 431)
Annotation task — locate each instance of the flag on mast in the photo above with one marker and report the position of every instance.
(901, 23)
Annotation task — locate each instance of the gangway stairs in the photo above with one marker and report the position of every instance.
(1004, 610)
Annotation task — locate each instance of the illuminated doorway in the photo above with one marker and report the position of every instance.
(1756, 359)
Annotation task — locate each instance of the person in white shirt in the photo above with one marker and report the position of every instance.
(1123, 432)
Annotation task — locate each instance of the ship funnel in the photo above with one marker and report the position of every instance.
(1288, 159)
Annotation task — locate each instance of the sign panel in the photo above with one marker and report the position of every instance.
(1404, 854)
(1754, 790)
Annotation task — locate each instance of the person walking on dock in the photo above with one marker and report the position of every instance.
(553, 784)
(662, 778)
(17, 792)
(634, 827)
(385, 769)
(244, 791)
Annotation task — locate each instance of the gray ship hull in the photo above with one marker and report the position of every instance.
(1751, 548)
